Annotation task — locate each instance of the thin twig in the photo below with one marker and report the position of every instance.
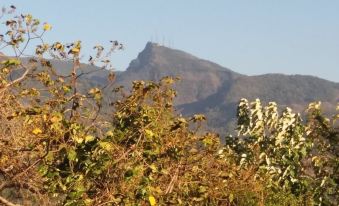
(6, 202)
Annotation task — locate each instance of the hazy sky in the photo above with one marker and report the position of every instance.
(250, 37)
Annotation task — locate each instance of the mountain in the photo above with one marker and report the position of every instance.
(199, 78)
(209, 88)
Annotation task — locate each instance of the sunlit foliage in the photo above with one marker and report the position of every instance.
(57, 147)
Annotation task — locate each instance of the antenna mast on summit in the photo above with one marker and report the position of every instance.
(156, 36)
(170, 42)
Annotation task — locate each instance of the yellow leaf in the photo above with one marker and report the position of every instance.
(109, 133)
(149, 133)
(5, 70)
(89, 138)
(28, 18)
(57, 117)
(198, 117)
(94, 91)
(153, 167)
(152, 200)
(59, 46)
(44, 117)
(75, 51)
(77, 44)
(36, 131)
(79, 140)
(47, 27)
(106, 146)
(167, 80)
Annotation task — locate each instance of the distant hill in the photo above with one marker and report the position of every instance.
(208, 88)
(199, 78)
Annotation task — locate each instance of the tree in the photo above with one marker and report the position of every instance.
(56, 150)
(282, 147)
(58, 146)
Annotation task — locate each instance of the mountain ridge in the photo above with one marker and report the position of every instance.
(199, 78)
(209, 88)
(214, 90)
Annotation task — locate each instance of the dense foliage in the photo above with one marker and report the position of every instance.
(57, 146)
(298, 157)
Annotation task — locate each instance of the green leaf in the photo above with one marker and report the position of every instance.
(11, 62)
(231, 197)
(71, 154)
(66, 88)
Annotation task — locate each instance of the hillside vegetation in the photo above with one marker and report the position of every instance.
(58, 146)
(213, 90)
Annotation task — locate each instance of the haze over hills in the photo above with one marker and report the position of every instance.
(199, 78)
(209, 88)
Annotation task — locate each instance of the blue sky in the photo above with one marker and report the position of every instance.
(250, 37)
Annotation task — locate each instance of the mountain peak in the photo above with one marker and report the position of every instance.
(160, 57)
(159, 49)
(154, 48)
(151, 44)
(200, 78)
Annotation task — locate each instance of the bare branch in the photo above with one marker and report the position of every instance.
(21, 78)
(6, 202)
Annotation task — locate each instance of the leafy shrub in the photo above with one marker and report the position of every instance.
(298, 158)
(57, 146)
